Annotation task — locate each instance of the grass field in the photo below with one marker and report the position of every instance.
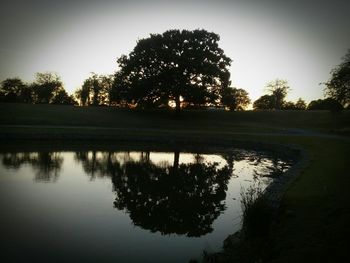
(26, 114)
(313, 223)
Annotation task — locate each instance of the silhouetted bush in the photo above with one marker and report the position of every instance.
(326, 104)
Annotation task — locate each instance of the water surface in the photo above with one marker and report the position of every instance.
(92, 206)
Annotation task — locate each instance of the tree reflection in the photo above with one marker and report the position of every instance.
(179, 198)
(266, 166)
(170, 195)
(47, 165)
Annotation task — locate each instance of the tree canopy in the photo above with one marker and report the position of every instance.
(265, 102)
(326, 104)
(235, 99)
(47, 88)
(95, 90)
(14, 90)
(173, 66)
(278, 88)
(338, 87)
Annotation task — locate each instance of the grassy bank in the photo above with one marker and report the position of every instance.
(312, 224)
(203, 120)
(314, 221)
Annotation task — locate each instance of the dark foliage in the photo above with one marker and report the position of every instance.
(96, 90)
(47, 88)
(14, 90)
(173, 66)
(278, 89)
(338, 87)
(326, 104)
(265, 102)
(235, 99)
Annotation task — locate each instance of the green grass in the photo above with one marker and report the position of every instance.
(25, 114)
(313, 223)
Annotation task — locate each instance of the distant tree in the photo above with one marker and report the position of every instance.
(235, 99)
(338, 87)
(62, 97)
(46, 86)
(265, 102)
(14, 90)
(95, 90)
(288, 105)
(326, 104)
(83, 96)
(106, 84)
(173, 66)
(279, 89)
(300, 104)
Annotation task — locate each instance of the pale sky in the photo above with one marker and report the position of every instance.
(299, 40)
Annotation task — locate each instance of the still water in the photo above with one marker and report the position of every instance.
(92, 206)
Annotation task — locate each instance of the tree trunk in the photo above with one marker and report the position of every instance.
(177, 103)
(176, 160)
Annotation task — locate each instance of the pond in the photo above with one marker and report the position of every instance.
(125, 206)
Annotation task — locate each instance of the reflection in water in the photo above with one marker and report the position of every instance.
(173, 196)
(183, 199)
(170, 196)
(180, 198)
(47, 165)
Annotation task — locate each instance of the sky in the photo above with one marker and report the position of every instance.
(300, 40)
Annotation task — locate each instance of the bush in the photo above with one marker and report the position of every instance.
(326, 104)
(257, 215)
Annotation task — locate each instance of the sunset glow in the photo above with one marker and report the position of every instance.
(298, 42)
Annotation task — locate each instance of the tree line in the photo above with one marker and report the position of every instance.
(178, 69)
(47, 88)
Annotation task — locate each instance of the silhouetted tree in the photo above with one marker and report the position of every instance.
(338, 87)
(62, 97)
(265, 102)
(326, 104)
(119, 94)
(300, 104)
(14, 90)
(46, 86)
(173, 66)
(82, 96)
(95, 90)
(288, 105)
(235, 99)
(278, 89)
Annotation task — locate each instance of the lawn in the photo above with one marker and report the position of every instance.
(313, 222)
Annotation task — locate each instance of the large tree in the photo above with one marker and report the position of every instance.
(174, 66)
(338, 87)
